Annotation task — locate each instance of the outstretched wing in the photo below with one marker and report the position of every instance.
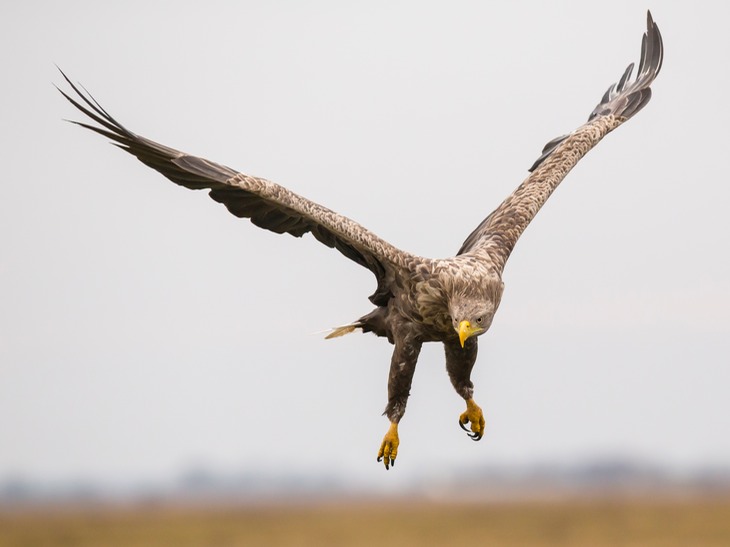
(498, 233)
(267, 204)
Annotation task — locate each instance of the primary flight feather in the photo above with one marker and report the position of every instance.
(417, 299)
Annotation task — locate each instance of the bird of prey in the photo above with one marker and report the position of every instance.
(449, 300)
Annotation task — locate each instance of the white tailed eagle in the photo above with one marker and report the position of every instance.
(448, 300)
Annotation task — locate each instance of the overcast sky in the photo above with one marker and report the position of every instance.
(144, 330)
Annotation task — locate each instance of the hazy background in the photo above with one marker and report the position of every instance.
(144, 331)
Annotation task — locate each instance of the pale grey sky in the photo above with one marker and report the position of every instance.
(143, 329)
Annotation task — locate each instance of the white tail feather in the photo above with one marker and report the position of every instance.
(342, 331)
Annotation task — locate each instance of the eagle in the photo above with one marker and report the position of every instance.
(417, 299)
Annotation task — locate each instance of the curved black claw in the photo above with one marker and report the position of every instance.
(475, 417)
(472, 435)
(388, 462)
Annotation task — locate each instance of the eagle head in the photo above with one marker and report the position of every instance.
(472, 309)
(471, 318)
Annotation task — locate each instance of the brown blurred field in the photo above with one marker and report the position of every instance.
(699, 522)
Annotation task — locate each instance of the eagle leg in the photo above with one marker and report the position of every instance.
(475, 416)
(459, 364)
(402, 367)
(389, 447)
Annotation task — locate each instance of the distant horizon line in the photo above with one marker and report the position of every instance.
(592, 476)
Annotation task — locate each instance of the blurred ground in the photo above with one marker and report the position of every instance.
(595, 522)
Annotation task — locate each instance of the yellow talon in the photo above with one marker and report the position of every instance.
(389, 447)
(475, 416)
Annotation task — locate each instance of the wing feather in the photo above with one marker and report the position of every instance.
(497, 235)
(265, 203)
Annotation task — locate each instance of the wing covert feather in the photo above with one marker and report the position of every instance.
(498, 233)
(267, 204)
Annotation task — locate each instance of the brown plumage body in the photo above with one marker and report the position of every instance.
(417, 299)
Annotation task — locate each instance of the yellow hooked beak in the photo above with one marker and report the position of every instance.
(466, 330)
